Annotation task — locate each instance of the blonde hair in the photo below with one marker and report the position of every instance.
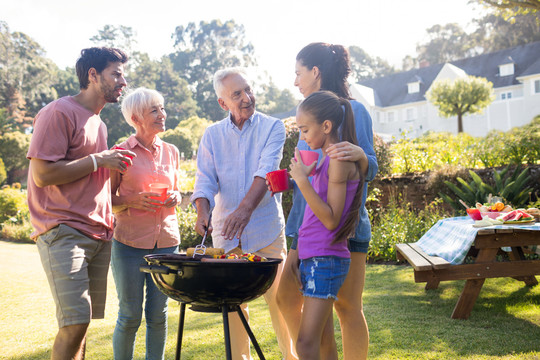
(137, 101)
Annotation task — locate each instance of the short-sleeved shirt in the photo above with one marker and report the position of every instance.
(139, 228)
(65, 130)
(228, 161)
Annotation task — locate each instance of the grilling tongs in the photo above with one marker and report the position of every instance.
(201, 248)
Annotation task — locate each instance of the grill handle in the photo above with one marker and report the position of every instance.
(157, 269)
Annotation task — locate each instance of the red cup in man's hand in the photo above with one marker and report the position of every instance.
(278, 180)
(129, 156)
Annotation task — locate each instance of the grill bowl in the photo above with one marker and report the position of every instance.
(210, 284)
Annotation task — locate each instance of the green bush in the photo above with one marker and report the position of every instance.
(3, 173)
(14, 214)
(384, 156)
(18, 231)
(179, 137)
(432, 150)
(186, 175)
(13, 148)
(513, 188)
(291, 141)
(12, 204)
(399, 223)
(186, 222)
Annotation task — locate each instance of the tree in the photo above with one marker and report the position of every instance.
(203, 49)
(195, 126)
(365, 67)
(121, 37)
(13, 149)
(445, 43)
(187, 135)
(508, 9)
(467, 95)
(179, 137)
(408, 63)
(272, 100)
(179, 101)
(26, 76)
(495, 33)
(3, 175)
(67, 82)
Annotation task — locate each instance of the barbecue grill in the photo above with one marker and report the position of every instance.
(211, 285)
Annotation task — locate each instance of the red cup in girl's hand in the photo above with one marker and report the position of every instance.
(308, 158)
(161, 189)
(278, 180)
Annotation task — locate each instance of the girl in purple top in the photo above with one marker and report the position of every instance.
(331, 215)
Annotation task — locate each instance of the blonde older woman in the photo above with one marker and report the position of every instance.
(145, 223)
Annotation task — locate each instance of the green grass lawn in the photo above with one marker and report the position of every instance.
(405, 321)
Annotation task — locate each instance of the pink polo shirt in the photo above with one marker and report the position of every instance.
(65, 130)
(144, 229)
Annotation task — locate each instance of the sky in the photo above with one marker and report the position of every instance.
(278, 29)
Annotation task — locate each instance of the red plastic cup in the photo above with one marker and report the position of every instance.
(129, 156)
(474, 214)
(279, 180)
(308, 157)
(161, 189)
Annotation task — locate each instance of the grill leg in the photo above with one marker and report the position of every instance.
(225, 312)
(250, 333)
(180, 330)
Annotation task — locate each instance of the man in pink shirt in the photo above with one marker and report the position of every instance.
(69, 196)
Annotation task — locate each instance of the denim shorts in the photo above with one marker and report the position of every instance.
(322, 276)
(354, 245)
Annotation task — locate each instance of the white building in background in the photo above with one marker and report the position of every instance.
(397, 102)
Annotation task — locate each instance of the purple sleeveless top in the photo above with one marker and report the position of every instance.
(314, 239)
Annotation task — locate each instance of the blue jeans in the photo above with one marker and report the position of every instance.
(130, 286)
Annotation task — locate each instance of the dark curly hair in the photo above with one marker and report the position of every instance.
(98, 58)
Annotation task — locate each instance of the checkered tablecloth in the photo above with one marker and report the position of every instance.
(452, 238)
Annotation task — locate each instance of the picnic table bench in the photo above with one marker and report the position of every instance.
(433, 269)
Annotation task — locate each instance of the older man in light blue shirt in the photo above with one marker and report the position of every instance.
(233, 158)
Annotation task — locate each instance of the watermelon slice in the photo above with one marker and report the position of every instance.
(524, 215)
(510, 216)
(516, 217)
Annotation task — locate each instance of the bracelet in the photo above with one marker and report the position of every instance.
(94, 162)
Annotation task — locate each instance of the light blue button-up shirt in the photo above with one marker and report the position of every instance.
(228, 161)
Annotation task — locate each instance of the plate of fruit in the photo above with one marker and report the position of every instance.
(493, 210)
(488, 210)
(518, 216)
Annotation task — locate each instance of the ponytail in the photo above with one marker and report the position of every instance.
(348, 133)
(333, 64)
(353, 216)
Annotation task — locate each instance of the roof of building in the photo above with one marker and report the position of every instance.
(392, 90)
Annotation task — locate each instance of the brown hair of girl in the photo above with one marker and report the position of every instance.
(325, 105)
